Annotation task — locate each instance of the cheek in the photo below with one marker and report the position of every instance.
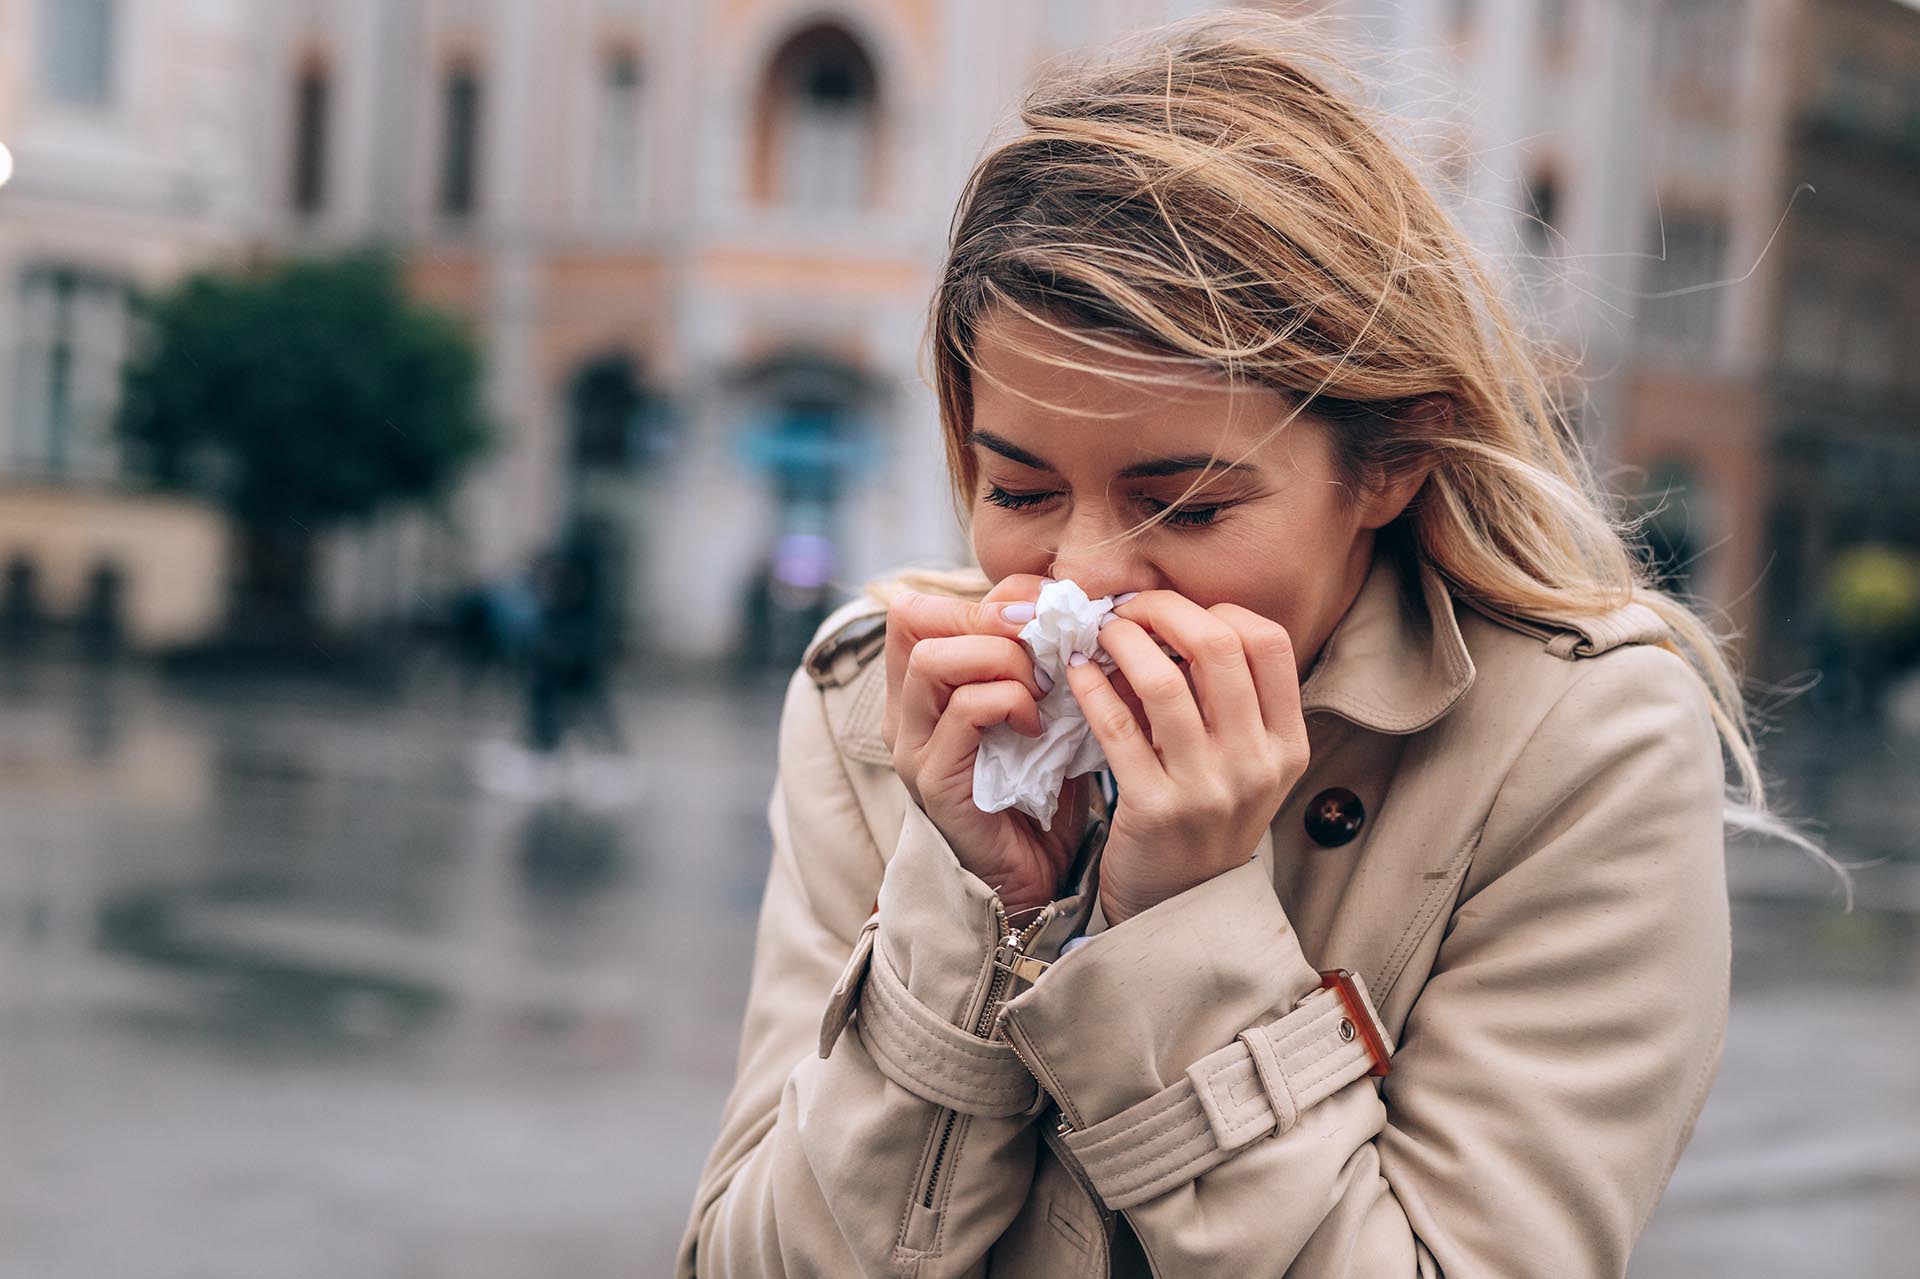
(1269, 567)
(999, 545)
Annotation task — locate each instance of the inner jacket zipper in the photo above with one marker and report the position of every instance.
(1012, 947)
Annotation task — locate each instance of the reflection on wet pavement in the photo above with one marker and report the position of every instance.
(282, 992)
(285, 990)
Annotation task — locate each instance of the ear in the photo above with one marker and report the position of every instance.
(1386, 505)
(1428, 417)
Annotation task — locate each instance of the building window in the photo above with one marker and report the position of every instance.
(67, 371)
(617, 171)
(76, 51)
(1556, 20)
(312, 93)
(460, 143)
(1539, 221)
(1810, 324)
(1678, 526)
(1859, 98)
(1694, 44)
(819, 123)
(1867, 343)
(1682, 289)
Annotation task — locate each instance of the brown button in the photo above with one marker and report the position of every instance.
(1334, 816)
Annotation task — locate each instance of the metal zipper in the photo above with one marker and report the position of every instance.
(1006, 956)
(1065, 1122)
(1057, 1142)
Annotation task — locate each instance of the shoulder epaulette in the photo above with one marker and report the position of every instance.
(850, 636)
(1588, 636)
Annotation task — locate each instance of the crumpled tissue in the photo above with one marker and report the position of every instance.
(1014, 771)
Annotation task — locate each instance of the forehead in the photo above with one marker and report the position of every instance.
(1124, 405)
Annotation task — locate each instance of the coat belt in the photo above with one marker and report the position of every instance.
(1257, 1085)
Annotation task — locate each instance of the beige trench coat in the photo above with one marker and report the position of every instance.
(1534, 903)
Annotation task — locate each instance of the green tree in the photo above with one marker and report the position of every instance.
(298, 395)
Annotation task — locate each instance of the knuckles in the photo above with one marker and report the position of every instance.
(1220, 645)
(1268, 637)
(1163, 686)
(1118, 723)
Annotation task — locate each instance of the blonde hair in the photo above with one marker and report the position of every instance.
(1203, 197)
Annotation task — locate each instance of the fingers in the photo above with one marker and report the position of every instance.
(1120, 734)
(937, 668)
(913, 616)
(1172, 714)
(955, 740)
(1216, 657)
(1275, 670)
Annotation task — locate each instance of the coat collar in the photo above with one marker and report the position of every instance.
(1396, 661)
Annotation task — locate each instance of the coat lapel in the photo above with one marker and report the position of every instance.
(1396, 662)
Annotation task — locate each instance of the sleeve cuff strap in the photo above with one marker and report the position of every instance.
(919, 1050)
(1257, 1085)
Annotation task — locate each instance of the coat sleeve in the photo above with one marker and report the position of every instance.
(825, 1163)
(1547, 1077)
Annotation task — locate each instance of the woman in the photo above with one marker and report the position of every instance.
(1404, 916)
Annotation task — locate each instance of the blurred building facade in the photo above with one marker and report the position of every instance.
(1842, 385)
(134, 161)
(1715, 203)
(697, 242)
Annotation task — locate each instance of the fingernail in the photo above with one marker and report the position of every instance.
(1078, 659)
(1118, 600)
(1021, 612)
(1044, 680)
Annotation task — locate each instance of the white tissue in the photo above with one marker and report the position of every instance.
(1014, 771)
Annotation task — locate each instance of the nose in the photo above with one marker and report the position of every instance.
(1089, 555)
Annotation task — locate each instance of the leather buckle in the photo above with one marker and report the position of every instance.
(1361, 1015)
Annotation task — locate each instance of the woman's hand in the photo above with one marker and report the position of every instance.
(955, 667)
(1205, 773)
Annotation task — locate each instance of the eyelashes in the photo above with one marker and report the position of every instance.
(1184, 517)
(1014, 501)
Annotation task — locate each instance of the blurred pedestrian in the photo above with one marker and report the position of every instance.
(567, 661)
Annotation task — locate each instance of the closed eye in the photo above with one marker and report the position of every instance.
(1184, 516)
(1014, 501)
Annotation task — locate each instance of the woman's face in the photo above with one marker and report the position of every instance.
(1277, 533)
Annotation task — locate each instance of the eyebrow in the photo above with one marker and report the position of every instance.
(1139, 470)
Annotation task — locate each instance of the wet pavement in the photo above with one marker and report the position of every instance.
(297, 981)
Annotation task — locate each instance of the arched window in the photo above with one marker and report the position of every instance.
(818, 123)
(312, 102)
(460, 141)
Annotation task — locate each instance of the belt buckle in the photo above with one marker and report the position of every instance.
(1341, 980)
